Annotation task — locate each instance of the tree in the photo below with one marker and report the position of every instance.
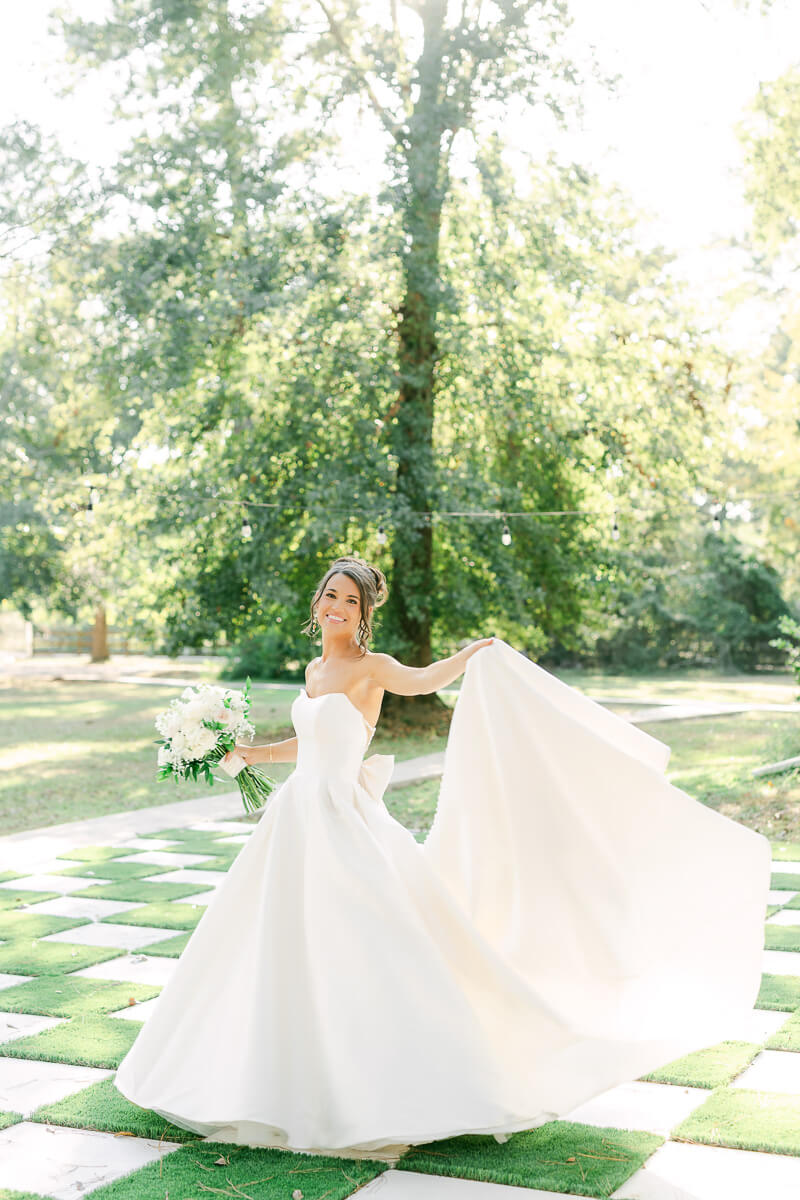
(427, 75)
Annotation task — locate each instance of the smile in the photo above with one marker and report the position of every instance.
(339, 619)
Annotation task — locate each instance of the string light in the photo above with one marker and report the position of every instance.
(717, 513)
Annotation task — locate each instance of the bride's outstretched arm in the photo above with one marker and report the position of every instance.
(418, 681)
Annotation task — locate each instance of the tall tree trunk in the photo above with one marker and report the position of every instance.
(412, 435)
(99, 635)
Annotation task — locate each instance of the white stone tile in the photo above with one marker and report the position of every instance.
(67, 1163)
(45, 865)
(83, 907)
(126, 937)
(238, 838)
(51, 883)
(786, 916)
(653, 1107)
(789, 868)
(772, 1071)
(17, 1025)
(759, 1025)
(681, 1171)
(776, 896)
(11, 980)
(414, 1185)
(781, 962)
(162, 858)
(133, 968)
(223, 827)
(211, 879)
(137, 1012)
(26, 1084)
(139, 843)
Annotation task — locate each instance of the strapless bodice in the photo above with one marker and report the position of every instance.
(332, 734)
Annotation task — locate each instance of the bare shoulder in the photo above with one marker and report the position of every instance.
(378, 662)
(309, 668)
(382, 668)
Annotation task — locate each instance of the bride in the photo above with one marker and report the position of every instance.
(571, 922)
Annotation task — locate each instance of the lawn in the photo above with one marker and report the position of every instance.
(79, 749)
(70, 750)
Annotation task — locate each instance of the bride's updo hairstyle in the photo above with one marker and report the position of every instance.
(372, 591)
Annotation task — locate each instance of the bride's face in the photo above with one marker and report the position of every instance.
(339, 606)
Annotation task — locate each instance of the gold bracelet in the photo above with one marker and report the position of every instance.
(270, 752)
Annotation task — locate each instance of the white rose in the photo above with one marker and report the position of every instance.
(202, 743)
(195, 711)
(164, 756)
(178, 746)
(172, 723)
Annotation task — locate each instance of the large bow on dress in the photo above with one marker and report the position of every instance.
(375, 773)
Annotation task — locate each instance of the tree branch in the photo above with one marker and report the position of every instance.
(386, 117)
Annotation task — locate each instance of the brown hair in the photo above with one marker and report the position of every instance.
(372, 591)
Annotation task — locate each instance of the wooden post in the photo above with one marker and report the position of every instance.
(99, 635)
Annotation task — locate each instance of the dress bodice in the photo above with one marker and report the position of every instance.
(332, 734)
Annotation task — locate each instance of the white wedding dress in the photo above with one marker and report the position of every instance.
(571, 922)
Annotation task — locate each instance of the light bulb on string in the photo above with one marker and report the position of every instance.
(247, 529)
(90, 503)
(615, 529)
(380, 536)
(505, 536)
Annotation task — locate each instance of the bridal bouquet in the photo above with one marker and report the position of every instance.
(199, 729)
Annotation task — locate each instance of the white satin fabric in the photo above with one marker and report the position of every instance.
(571, 922)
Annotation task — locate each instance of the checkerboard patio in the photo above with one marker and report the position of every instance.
(89, 937)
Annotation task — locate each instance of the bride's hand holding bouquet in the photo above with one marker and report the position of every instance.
(201, 730)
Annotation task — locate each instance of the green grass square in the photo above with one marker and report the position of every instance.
(116, 872)
(97, 853)
(5, 876)
(785, 1038)
(72, 996)
(785, 851)
(10, 1118)
(166, 914)
(85, 1042)
(21, 923)
(744, 1119)
(708, 1068)
(184, 834)
(218, 863)
(783, 881)
(169, 948)
(221, 1169)
(102, 1107)
(782, 937)
(11, 899)
(10, 1194)
(779, 992)
(200, 845)
(52, 958)
(144, 893)
(559, 1156)
(794, 902)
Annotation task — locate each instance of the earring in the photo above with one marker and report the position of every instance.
(314, 624)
